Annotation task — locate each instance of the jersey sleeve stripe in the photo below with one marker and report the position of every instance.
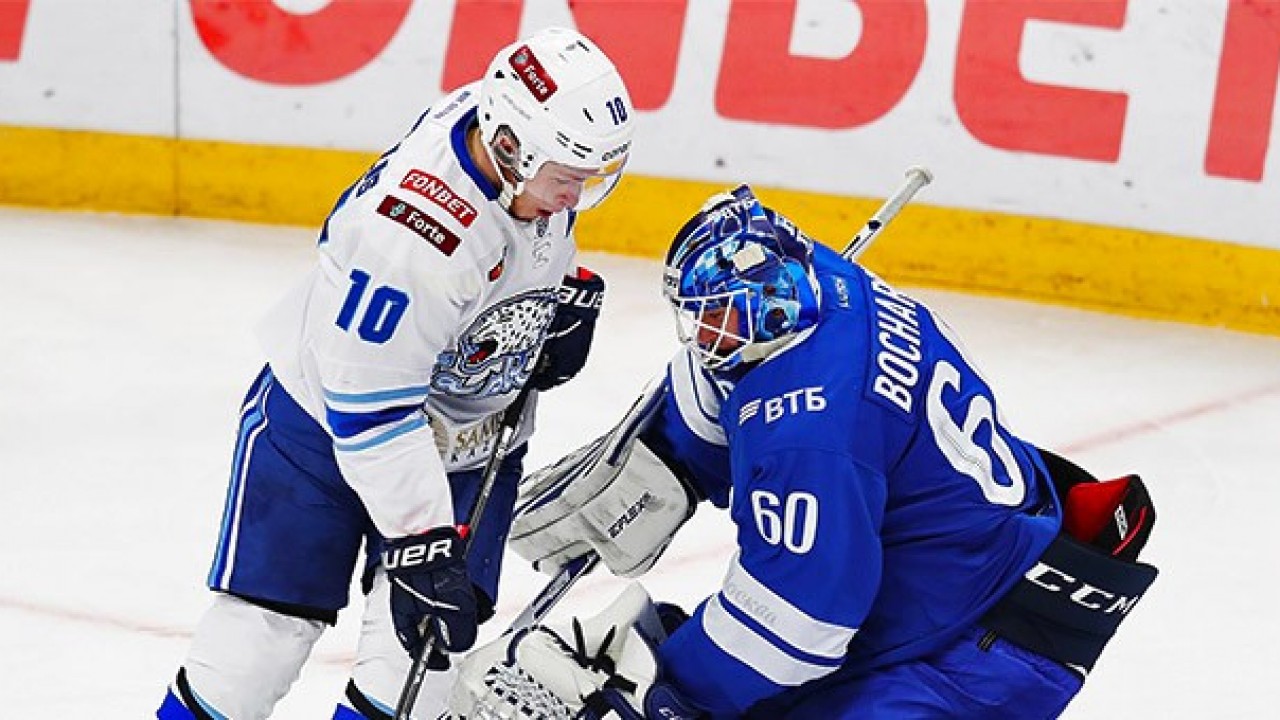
(789, 623)
(388, 434)
(742, 643)
(347, 425)
(696, 399)
(414, 393)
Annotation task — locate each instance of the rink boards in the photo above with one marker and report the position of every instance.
(1099, 153)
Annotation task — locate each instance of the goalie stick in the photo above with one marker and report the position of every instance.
(917, 177)
(509, 424)
(537, 610)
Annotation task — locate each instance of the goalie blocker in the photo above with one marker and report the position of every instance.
(613, 496)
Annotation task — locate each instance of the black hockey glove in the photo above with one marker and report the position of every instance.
(569, 338)
(1114, 516)
(429, 584)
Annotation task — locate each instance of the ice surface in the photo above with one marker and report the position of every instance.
(126, 345)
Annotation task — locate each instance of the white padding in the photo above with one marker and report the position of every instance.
(613, 496)
(244, 658)
(382, 664)
(628, 514)
(536, 671)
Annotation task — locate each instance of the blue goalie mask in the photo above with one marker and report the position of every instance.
(740, 278)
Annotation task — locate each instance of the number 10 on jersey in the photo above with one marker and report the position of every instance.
(381, 315)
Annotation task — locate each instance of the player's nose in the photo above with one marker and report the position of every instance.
(568, 196)
(707, 335)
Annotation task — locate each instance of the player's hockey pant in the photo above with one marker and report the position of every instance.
(967, 679)
(291, 537)
(292, 528)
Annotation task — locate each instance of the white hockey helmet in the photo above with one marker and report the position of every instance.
(556, 97)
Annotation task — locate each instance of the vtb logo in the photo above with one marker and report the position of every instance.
(807, 399)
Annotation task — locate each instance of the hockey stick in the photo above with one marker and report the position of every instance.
(507, 431)
(536, 611)
(917, 177)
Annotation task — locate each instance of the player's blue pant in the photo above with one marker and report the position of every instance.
(960, 681)
(292, 528)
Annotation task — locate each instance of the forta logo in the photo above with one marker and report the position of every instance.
(532, 74)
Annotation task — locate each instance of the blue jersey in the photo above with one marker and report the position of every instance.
(881, 504)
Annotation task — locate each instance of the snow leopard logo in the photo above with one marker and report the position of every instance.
(497, 352)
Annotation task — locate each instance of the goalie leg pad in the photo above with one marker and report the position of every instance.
(614, 496)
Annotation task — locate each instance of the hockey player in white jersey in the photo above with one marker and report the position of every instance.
(446, 283)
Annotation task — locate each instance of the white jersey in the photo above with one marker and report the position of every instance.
(421, 322)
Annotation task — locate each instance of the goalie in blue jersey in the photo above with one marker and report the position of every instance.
(900, 552)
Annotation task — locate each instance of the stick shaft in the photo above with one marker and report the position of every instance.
(917, 177)
(538, 608)
(418, 671)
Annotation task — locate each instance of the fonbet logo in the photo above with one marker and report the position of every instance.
(438, 191)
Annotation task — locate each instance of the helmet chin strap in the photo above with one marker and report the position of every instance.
(763, 350)
(509, 191)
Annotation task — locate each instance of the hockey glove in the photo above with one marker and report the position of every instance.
(1115, 516)
(564, 352)
(1071, 602)
(604, 666)
(429, 585)
(613, 496)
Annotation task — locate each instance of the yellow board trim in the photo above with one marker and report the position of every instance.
(1120, 270)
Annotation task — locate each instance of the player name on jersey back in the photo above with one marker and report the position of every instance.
(897, 346)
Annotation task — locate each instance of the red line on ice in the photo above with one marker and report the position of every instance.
(1151, 425)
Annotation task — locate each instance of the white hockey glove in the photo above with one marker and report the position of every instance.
(605, 666)
(613, 496)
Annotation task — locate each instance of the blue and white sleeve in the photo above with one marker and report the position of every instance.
(373, 403)
(687, 433)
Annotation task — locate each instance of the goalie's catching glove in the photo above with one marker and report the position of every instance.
(605, 666)
(429, 584)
